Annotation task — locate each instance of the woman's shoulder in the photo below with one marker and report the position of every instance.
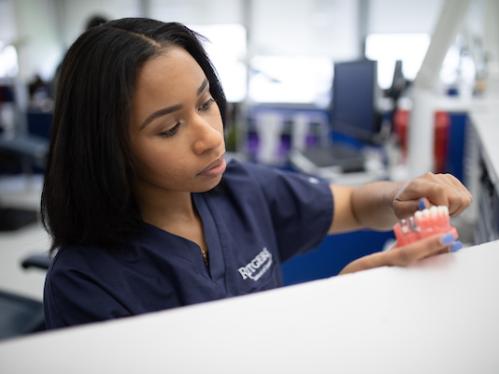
(249, 171)
(83, 284)
(82, 259)
(266, 177)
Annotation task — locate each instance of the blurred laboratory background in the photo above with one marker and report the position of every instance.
(348, 90)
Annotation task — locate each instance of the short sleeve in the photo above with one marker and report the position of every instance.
(72, 297)
(301, 207)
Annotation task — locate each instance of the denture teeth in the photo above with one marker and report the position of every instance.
(446, 215)
(404, 226)
(433, 212)
(413, 225)
(418, 215)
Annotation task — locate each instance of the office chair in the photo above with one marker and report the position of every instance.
(39, 261)
(22, 315)
(21, 150)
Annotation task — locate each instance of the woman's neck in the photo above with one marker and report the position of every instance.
(167, 209)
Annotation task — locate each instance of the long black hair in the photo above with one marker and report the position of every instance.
(87, 195)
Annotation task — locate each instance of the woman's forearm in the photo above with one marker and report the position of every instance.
(372, 204)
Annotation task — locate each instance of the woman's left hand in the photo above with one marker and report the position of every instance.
(437, 189)
(405, 255)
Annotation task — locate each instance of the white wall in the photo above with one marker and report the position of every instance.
(306, 28)
(38, 47)
(475, 20)
(75, 14)
(197, 12)
(397, 16)
(403, 16)
(47, 27)
(7, 21)
(280, 27)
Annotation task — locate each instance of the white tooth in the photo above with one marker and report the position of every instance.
(433, 211)
(404, 227)
(441, 211)
(418, 215)
(413, 225)
(426, 213)
(446, 210)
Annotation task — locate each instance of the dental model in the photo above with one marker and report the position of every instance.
(422, 224)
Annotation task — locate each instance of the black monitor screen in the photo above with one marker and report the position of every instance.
(353, 101)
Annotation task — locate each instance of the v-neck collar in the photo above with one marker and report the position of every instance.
(189, 250)
(211, 237)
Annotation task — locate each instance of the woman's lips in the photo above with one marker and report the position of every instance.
(215, 169)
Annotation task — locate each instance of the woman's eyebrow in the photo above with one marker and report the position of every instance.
(203, 86)
(173, 108)
(160, 113)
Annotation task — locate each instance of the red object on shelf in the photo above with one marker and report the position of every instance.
(441, 139)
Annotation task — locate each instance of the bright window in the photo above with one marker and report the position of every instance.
(280, 79)
(8, 61)
(226, 47)
(388, 48)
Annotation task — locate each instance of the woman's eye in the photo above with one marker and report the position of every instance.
(206, 105)
(170, 132)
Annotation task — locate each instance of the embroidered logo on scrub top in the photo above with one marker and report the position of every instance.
(258, 266)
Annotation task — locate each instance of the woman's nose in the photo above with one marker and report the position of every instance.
(207, 136)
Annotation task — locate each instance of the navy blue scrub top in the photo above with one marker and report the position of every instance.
(254, 219)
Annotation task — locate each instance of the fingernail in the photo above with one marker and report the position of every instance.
(456, 246)
(447, 239)
(421, 204)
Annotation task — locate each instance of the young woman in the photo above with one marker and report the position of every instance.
(145, 212)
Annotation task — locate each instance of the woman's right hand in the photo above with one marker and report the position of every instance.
(406, 255)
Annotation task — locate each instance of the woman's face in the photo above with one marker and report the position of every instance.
(176, 130)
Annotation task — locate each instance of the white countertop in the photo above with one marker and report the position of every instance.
(440, 316)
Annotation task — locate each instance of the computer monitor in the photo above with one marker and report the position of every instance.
(353, 105)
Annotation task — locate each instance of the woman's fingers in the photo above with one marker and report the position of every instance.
(431, 246)
(406, 201)
(460, 198)
(437, 189)
(408, 254)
